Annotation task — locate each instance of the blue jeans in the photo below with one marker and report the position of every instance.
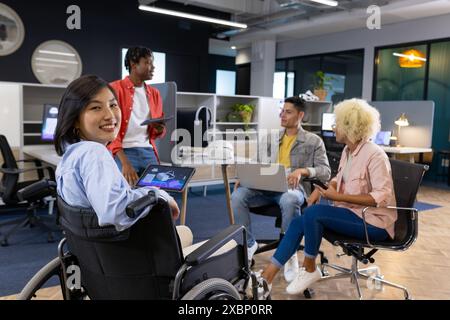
(139, 158)
(243, 198)
(311, 225)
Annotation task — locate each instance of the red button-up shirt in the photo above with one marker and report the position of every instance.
(125, 93)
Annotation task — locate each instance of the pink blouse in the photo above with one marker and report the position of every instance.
(370, 173)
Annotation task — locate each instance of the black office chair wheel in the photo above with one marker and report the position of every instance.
(308, 293)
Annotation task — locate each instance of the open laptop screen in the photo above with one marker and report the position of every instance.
(168, 178)
(383, 138)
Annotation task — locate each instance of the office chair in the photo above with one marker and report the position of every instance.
(145, 261)
(10, 185)
(334, 158)
(407, 178)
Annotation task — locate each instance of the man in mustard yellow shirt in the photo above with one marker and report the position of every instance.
(303, 154)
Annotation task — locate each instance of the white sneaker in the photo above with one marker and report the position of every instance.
(251, 251)
(312, 96)
(308, 96)
(291, 268)
(303, 280)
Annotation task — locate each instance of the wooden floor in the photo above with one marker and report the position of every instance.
(424, 269)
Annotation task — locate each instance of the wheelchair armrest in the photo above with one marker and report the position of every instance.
(136, 207)
(202, 253)
(37, 190)
(414, 210)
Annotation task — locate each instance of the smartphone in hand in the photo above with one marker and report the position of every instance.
(317, 182)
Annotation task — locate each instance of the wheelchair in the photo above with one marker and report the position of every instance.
(145, 261)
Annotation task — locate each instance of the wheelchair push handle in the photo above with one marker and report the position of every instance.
(37, 190)
(136, 207)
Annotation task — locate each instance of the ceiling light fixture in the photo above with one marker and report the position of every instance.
(192, 16)
(331, 3)
(411, 58)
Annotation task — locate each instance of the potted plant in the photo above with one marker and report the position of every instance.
(321, 85)
(245, 111)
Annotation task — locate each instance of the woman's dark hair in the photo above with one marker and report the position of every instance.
(135, 54)
(298, 103)
(76, 97)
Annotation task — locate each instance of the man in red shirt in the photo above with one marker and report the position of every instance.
(134, 148)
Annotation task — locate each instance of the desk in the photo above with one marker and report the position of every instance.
(46, 153)
(407, 150)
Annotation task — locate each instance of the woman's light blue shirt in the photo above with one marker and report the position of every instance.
(88, 177)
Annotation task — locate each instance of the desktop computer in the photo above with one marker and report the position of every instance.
(49, 121)
(328, 135)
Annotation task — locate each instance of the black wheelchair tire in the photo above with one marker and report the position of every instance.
(53, 268)
(211, 289)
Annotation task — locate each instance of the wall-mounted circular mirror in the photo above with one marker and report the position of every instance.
(56, 62)
(12, 30)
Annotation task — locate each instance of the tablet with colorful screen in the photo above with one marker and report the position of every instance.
(169, 178)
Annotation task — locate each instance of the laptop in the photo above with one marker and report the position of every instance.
(383, 138)
(168, 178)
(267, 177)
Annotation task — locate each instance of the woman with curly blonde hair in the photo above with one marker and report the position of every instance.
(364, 179)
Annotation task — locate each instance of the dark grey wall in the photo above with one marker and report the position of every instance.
(107, 26)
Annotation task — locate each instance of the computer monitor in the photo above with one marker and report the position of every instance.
(328, 135)
(49, 120)
(328, 120)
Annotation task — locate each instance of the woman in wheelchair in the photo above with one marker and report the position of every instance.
(89, 118)
(124, 240)
(364, 179)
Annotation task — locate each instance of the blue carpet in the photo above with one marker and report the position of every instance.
(423, 206)
(206, 216)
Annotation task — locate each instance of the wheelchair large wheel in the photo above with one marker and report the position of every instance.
(213, 289)
(53, 268)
